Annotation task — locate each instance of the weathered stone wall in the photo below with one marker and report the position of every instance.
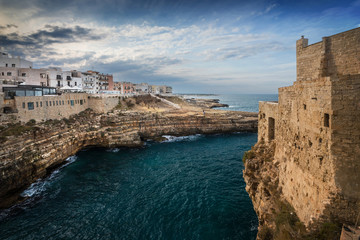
(266, 110)
(103, 104)
(345, 135)
(317, 130)
(303, 143)
(50, 107)
(308, 59)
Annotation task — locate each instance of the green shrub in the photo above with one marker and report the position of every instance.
(31, 122)
(248, 155)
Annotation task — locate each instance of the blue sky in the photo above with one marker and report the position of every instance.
(227, 46)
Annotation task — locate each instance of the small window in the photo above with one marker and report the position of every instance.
(37, 104)
(326, 120)
(9, 73)
(75, 83)
(23, 74)
(58, 84)
(23, 105)
(62, 102)
(2, 73)
(57, 103)
(271, 128)
(304, 106)
(53, 103)
(72, 102)
(40, 104)
(6, 65)
(50, 103)
(68, 102)
(30, 105)
(47, 103)
(12, 65)
(81, 102)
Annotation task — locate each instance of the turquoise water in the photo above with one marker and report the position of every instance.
(240, 102)
(185, 188)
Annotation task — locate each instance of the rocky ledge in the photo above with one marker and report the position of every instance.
(207, 103)
(31, 151)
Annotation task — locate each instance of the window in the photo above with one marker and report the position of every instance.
(53, 103)
(72, 102)
(68, 102)
(12, 65)
(57, 103)
(50, 103)
(6, 65)
(2, 73)
(40, 104)
(69, 84)
(37, 104)
(62, 102)
(81, 102)
(75, 83)
(23, 105)
(58, 84)
(304, 106)
(30, 105)
(326, 120)
(271, 128)
(47, 103)
(23, 74)
(9, 73)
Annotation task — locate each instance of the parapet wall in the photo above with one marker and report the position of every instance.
(334, 55)
(103, 104)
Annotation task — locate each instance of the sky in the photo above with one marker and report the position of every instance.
(195, 46)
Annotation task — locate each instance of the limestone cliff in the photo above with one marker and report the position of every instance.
(35, 149)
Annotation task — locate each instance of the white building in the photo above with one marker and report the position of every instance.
(7, 60)
(90, 81)
(141, 88)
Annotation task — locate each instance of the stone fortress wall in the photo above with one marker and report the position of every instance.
(42, 108)
(316, 128)
(50, 107)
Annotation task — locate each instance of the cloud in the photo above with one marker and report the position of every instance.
(7, 26)
(48, 35)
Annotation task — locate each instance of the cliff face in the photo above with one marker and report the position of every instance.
(42, 147)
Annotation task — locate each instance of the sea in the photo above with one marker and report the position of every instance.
(188, 187)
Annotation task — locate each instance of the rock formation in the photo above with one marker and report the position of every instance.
(33, 150)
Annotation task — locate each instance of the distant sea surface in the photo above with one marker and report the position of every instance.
(183, 188)
(238, 102)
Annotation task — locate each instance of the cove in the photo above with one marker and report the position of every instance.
(184, 188)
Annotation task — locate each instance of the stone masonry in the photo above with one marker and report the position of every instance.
(316, 128)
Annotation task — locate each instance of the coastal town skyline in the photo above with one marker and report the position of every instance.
(203, 47)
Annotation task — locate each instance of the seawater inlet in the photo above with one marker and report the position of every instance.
(182, 188)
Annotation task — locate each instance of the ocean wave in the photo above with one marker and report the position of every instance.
(189, 138)
(41, 185)
(113, 150)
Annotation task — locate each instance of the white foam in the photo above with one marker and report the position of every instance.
(114, 150)
(170, 138)
(41, 184)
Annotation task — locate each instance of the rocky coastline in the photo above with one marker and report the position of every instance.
(34, 150)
